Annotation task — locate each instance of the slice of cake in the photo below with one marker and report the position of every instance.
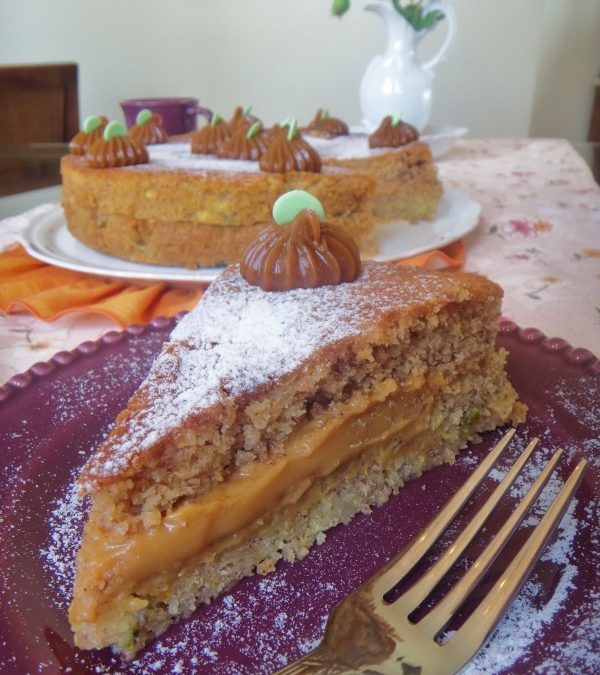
(407, 186)
(273, 415)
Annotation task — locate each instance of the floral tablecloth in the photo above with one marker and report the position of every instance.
(539, 238)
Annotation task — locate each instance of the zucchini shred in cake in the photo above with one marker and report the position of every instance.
(270, 417)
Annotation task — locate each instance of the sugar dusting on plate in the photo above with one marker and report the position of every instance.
(527, 618)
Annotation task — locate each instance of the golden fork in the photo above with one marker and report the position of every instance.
(367, 634)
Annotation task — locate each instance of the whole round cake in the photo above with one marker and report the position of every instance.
(199, 201)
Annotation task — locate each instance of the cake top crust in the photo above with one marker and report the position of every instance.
(352, 146)
(177, 157)
(240, 342)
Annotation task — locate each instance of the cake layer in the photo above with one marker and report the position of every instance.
(213, 366)
(190, 244)
(409, 192)
(315, 449)
(205, 190)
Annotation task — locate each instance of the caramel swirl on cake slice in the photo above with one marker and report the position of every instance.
(303, 253)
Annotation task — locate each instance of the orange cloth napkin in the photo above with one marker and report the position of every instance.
(49, 292)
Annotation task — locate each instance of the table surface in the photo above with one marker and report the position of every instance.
(538, 237)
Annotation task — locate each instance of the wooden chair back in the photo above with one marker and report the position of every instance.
(39, 113)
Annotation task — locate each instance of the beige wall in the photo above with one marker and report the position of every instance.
(569, 64)
(517, 68)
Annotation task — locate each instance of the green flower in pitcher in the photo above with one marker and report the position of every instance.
(416, 13)
(340, 7)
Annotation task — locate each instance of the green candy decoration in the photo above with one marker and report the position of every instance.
(254, 129)
(293, 129)
(91, 123)
(286, 122)
(215, 119)
(114, 129)
(143, 116)
(395, 118)
(247, 110)
(325, 114)
(287, 207)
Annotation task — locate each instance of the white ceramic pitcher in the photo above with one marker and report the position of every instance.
(396, 81)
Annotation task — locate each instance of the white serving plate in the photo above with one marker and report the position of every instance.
(47, 238)
(442, 139)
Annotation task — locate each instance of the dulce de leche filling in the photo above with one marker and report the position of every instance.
(316, 449)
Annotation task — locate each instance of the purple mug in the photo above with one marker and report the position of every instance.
(179, 114)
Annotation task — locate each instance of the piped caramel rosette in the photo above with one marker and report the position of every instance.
(392, 133)
(210, 137)
(91, 131)
(242, 118)
(148, 128)
(288, 151)
(115, 148)
(325, 126)
(245, 143)
(300, 251)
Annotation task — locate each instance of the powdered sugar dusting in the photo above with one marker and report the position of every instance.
(240, 338)
(65, 522)
(352, 146)
(178, 157)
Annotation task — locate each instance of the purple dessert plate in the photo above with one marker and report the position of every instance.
(53, 416)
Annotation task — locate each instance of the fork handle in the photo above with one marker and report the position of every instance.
(318, 661)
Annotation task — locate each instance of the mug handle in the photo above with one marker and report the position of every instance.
(200, 110)
(448, 12)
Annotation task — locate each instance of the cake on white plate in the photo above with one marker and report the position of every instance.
(200, 201)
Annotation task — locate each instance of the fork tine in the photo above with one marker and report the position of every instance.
(441, 613)
(404, 561)
(472, 634)
(423, 587)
